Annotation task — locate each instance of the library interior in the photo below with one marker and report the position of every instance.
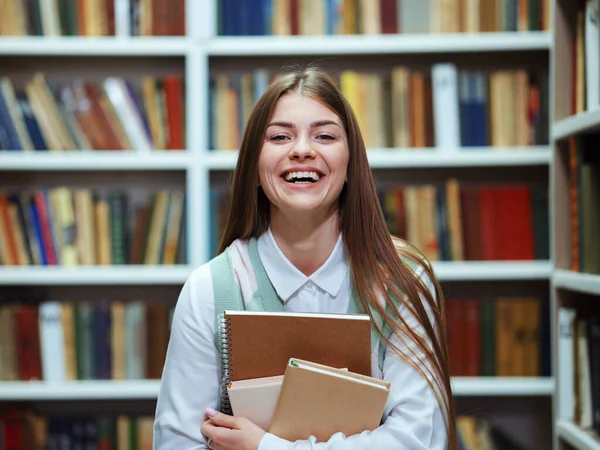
(120, 125)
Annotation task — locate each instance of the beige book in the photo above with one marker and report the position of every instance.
(318, 400)
(255, 399)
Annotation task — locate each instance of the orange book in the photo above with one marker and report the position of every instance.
(260, 344)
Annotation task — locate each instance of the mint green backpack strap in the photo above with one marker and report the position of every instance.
(266, 293)
(226, 293)
(227, 296)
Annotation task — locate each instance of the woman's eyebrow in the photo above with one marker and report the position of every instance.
(316, 124)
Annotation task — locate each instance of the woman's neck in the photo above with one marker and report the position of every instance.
(306, 243)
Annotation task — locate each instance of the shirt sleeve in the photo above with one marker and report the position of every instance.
(190, 379)
(412, 418)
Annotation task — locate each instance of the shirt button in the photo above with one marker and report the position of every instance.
(310, 285)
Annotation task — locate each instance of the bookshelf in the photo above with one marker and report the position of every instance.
(575, 278)
(148, 389)
(196, 168)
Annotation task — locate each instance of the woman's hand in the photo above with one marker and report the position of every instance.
(231, 433)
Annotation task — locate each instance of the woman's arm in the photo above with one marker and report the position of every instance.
(190, 379)
(412, 418)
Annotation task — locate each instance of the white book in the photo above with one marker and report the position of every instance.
(592, 54)
(50, 19)
(135, 340)
(116, 91)
(585, 381)
(122, 18)
(54, 367)
(255, 399)
(566, 367)
(415, 16)
(446, 113)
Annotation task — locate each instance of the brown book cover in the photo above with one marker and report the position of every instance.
(260, 344)
(317, 400)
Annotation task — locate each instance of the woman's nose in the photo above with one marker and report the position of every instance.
(302, 150)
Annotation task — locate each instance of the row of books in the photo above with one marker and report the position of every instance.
(446, 107)
(585, 58)
(96, 18)
(579, 368)
(30, 430)
(68, 341)
(25, 429)
(477, 433)
(82, 115)
(453, 221)
(335, 17)
(498, 336)
(70, 227)
(584, 196)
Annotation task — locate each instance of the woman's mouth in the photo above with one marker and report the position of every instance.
(302, 177)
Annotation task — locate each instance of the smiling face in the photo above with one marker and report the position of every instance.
(304, 157)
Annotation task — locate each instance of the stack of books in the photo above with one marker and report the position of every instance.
(298, 375)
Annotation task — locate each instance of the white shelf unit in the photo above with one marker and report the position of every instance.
(148, 389)
(398, 158)
(94, 275)
(152, 275)
(92, 160)
(584, 283)
(575, 436)
(95, 46)
(579, 123)
(378, 44)
(196, 50)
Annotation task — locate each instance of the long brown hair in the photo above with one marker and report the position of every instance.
(374, 254)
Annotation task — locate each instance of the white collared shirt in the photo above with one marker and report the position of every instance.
(190, 380)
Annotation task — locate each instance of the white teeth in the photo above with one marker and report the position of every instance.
(291, 175)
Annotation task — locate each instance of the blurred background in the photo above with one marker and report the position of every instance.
(120, 122)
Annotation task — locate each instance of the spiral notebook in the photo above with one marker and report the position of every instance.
(260, 344)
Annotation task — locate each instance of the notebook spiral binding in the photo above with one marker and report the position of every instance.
(226, 363)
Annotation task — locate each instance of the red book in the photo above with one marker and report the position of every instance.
(12, 431)
(389, 16)
(472, 336)
(28, 343)
(487, 223)
(455, 333)
(522, 223)
(174, 104)
(295, 16)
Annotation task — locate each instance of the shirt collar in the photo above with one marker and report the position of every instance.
(287, 279)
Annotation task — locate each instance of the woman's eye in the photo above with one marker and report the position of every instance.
(278, 137)
(326, 137)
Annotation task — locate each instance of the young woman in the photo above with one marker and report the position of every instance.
(304, 198)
